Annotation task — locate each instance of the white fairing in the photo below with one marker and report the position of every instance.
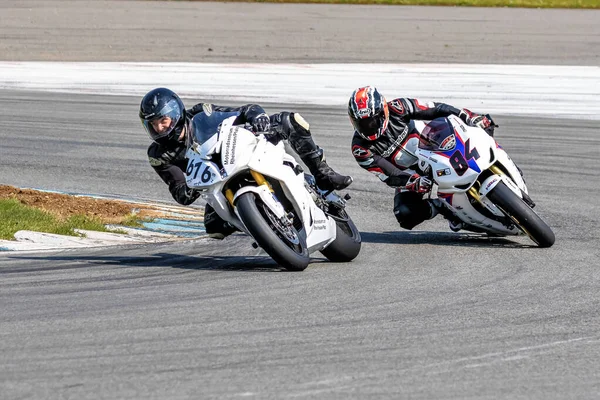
(455, 174)
(239, 151)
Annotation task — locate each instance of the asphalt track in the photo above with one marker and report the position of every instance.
(422, 315)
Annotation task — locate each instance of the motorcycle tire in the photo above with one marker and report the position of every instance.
(346, 245)
(522, 215)
(255, 216)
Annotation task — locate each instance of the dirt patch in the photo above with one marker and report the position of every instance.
(64, 206)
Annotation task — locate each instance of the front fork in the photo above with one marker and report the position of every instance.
(258, 178)
(475, 193)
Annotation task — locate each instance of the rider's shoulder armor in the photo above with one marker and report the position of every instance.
(399, 107)
(165, 155)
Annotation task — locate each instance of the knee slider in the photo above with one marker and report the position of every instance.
(300, 121)
(409, 217)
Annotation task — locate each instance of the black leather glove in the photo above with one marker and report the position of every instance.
(261, 123)
(484, 122)
(419, 184)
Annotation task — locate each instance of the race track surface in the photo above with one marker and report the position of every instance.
(425, 314)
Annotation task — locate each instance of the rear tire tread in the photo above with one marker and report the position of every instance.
(345, 247)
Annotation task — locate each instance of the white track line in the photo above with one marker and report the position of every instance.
(550, 91)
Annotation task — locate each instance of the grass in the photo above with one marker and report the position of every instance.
(470, 3)
(135, 221)
(15, 216)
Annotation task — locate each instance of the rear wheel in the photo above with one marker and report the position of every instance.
(346, 245)
(283, 243)
(522, 215)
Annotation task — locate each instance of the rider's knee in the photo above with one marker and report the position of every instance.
(300, 124)
(405, 218)
(411, 215)
(294, 126)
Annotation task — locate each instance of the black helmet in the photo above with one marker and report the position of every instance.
(162, 104)
(368, 112)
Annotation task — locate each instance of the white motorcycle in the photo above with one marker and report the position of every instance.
(477, 182)
(261, 190)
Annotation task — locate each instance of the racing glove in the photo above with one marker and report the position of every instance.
(484, 122)
(419, 184)
(261, 123)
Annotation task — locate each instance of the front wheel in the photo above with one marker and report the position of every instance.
(283, 243)
(522, 215)
(346, 245)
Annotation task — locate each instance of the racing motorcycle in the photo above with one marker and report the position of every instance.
(476, 181)
(257, 187)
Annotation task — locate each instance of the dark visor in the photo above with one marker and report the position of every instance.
(369, 126)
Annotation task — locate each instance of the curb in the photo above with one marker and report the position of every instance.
(171, 222)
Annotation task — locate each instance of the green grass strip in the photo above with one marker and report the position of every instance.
(15, 216)
(469, 3)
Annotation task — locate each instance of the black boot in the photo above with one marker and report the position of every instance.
(295, 129)
(327, 179)
(215, 226)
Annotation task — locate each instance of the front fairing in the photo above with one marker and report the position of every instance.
(201, 173)
(204, 164)
(456, 153)
(237, 148)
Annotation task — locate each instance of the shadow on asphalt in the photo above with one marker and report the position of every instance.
(442, 239)
(156, 260)
(149, 256)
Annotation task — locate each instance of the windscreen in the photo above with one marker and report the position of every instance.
(205, 126)
(438, 135)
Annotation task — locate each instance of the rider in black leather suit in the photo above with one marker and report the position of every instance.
(385, 141)
(165, 119)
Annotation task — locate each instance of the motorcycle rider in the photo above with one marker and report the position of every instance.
(166, 121)
(385, 141)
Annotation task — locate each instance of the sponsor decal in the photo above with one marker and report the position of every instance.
(449, 143)
(230, 146)
(396, 143)
(487, 187)
(360, 152)
(397, 106)
(443, 172)
(363, 113)
(155, 162)
(319, 224)
(435, 160)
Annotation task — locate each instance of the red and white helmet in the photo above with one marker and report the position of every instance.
(368, 112)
